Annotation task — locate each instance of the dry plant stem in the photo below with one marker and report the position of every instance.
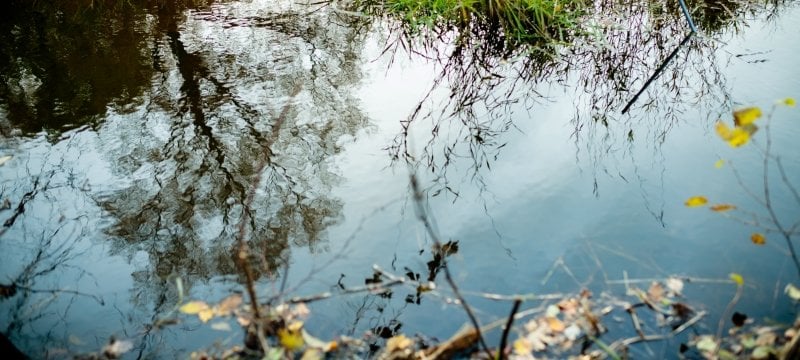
(635, 319)
(646, 338)
(501, 354)
(768, 200)
(437, 242)
(725, 314)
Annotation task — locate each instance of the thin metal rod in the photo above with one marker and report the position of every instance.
(664, 64)
(657, 72)
(688, 17)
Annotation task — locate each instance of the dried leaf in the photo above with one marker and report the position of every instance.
(116, 348)
(758, 239)
(205, 315)
(552, 311)
(792, 291)
(722, 207)
(313, 342)
(193, 307)
(572, 332)
(746, 116)
(4, 159)
(74, 340)
(555, 324)
(675, 286)
(522, 347)
(706, 343)
(398, 343)
(312, 354)
(227, 305)
(696, 201)
(655, 293)
(243, 320)
(300, 310)
(762, 352)
(738, 279)
(221, 326)
(767, 338)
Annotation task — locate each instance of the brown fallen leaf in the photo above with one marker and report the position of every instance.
(227, 305)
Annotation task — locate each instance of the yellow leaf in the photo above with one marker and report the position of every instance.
(193, 307)
(746, 116)
(790, 102)
(522, 347)
(723, 131)
(722, 207)
(205, 315)
(719, 163)
(290, 340)
(738, 137)
(792, 291)
(738, 279)
(758, 239)
(696, 201)
(556, 325)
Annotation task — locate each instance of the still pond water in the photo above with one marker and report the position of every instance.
(136, 136)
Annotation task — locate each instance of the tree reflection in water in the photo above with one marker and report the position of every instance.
(206, 94)
(608, 56)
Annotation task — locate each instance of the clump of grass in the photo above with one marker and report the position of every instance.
(510, 22)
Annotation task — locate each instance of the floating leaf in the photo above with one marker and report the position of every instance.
(4, 159)
(656, 292)
(228, 304)
(738, 279)
(762, 352)
(205, 315)
(221, 326)
(398, 343)
(556, 325)
(290, 340)
(758, 239)
(696, 201)
(746, 116)
(706, 343)
(312, 354)
(675, 286)
(522, 347)
(193, 307)
(719, 163)
(74, 340)
(739, 137)
(115, 348)
(790, 102)
(722, 207)
(792, 291)
(724, 132)
(572, 332)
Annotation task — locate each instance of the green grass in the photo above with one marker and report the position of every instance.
(517, 21)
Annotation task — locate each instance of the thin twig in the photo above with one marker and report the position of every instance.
(445, 265)
(507, 329)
